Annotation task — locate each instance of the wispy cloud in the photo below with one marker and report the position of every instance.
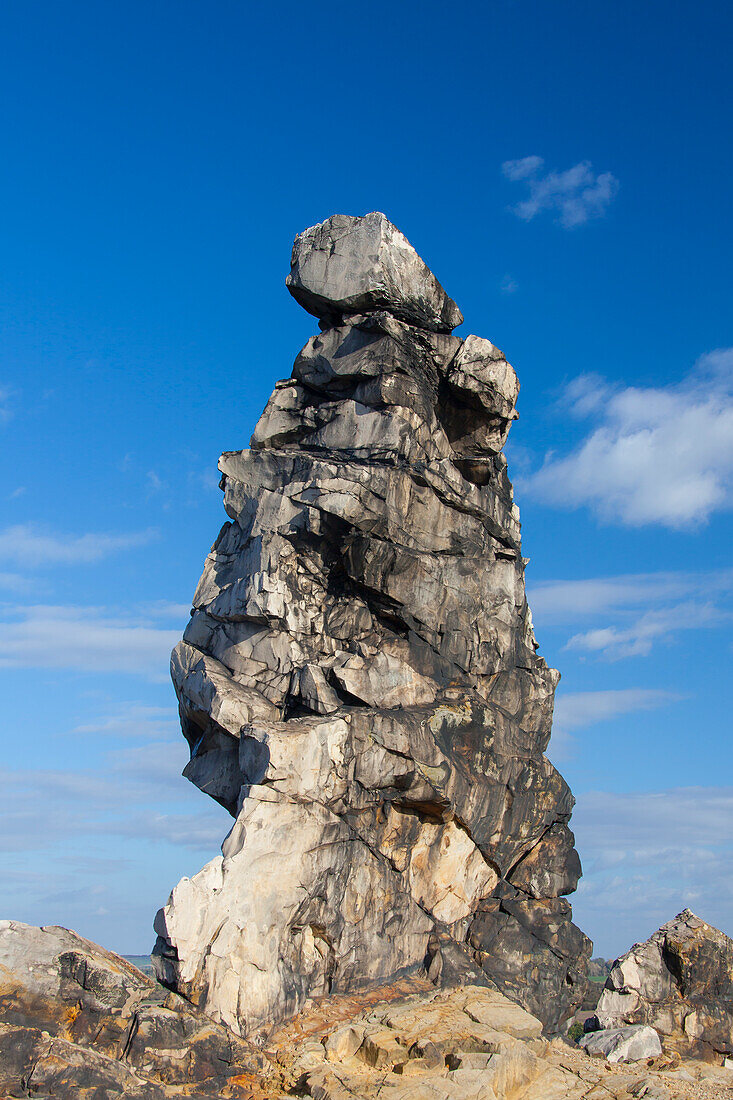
(564, 601)
(30, 546)
(133, 720)
(197, 832)
(6, 411)
(577, 710)
(136, 792)
(636, 611)
(638, 639)
(575, 195)
(508, 285)
(86, 639)
(155, 482)
(647, 855)
(97, 847)
(581, 709)
(655, 455)
(166, 609)
(16, 582)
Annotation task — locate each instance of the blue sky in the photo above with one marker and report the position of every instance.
(564, 168)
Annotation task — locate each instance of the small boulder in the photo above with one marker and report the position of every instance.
(344, 1042)
(649, 1089)
(623, 1044)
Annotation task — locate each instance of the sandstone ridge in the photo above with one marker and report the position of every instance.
(359, 683)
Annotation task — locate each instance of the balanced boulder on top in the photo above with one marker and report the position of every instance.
(351, 265)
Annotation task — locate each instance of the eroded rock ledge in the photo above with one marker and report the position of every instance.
(359, 683)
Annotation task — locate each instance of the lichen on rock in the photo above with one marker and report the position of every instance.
(359, 683)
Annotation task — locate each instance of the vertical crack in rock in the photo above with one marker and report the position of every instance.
(359, 683)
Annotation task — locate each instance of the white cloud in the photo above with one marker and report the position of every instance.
(155, 482)
(6, 411)
(565, 601)
(575, 195)
(508, 285)
(647, 855)
(636, 611)
(656, 455)
(576, 710)
(15, 582)
(138, 793)
(133, 720)
(28, 545)
(199, 832)
(166, 609)
(638, 639)
(86, 639)
(522, 169)
(654, 821)
(133, 791)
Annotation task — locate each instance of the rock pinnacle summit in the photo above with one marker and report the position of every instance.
(359, 683)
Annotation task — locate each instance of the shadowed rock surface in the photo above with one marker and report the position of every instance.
(359, 683)
(79, 1021)
(680, 981)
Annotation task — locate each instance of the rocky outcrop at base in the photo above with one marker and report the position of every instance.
(79, 1021)
(680, 981)
(359, 684)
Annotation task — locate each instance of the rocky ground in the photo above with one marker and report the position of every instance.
(79, 1023)
(409, 1042)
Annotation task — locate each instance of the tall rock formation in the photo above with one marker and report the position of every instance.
(359, 683)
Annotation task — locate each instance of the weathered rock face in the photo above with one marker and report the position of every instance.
(680, 981)
(79, 1021)
(359, 683)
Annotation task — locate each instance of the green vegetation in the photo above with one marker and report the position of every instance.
(575, 1031)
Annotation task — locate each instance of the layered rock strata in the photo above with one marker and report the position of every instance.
(359, 683)
(680, 981)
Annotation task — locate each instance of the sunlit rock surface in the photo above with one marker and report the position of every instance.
(359, 683)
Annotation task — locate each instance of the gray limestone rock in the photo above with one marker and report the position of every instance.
(350, 265)
(623, 1044)
(680, 981)
(359, 683)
